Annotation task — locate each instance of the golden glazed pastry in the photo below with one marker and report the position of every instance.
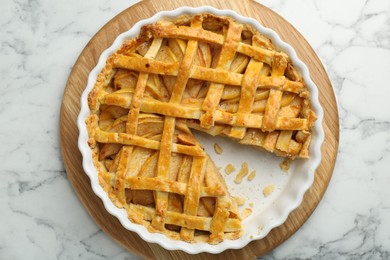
(203, 72)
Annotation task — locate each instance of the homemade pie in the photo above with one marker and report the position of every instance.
(203, 72)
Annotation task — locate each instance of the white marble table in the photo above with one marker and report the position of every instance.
(41, 217)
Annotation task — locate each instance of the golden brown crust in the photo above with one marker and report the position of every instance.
(204, 72)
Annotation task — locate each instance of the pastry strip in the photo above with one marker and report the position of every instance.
(216, 75)
(248, 92)
(149, 183)
(169, 127)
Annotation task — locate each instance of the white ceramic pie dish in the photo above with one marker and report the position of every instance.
(268, 212)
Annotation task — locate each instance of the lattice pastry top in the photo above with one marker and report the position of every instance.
(203, 72)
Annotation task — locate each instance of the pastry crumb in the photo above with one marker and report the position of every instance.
(242, 173)
(268, 190)
(239, 200)
(246, 213)
(285, 165)
(252, 175)
(259, 229)
(217, 148)
(251, 204)
(229, 168)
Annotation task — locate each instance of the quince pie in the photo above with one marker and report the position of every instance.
(203, 72)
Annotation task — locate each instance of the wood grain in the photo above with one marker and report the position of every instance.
(69, 133)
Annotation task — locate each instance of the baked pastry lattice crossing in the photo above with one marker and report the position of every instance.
(204, 72)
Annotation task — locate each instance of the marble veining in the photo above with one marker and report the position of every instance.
(42, 218)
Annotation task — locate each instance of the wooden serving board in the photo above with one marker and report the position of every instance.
(71, 105)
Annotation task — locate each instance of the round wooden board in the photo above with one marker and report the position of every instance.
(71, 105)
